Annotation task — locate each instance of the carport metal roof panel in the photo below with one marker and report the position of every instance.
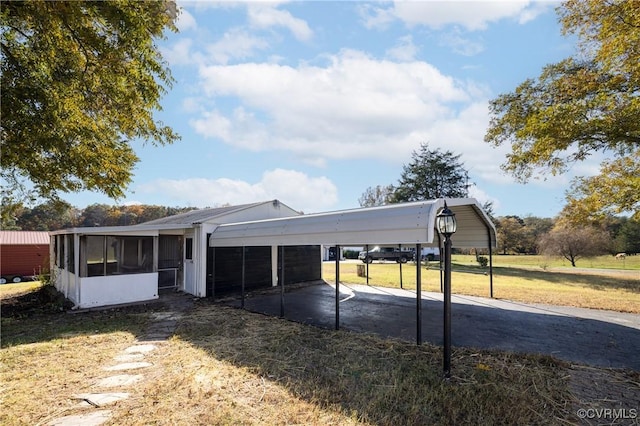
(406, 223)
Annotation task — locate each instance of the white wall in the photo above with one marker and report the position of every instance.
(65, 283)
(117, 289)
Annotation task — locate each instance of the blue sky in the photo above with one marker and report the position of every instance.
(314, 102)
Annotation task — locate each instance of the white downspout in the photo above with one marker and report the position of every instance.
(76, 262)
(274, 266)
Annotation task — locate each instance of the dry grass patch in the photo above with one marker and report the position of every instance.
(226, 365)
(12, 290)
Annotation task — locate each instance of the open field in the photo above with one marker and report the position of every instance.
(228, 366)
(542, 262)
(580, 287)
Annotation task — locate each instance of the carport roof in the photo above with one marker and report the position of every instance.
(405, 223)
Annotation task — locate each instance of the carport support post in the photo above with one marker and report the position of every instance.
(242, 283)
(490, 265)
(418, 298)
(367, 263)
(400, 249)
(282, 283)
(337, 288)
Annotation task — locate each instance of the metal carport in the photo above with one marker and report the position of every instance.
(405, 223)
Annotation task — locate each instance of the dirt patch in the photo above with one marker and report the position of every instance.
(44, 299)
(605, 396)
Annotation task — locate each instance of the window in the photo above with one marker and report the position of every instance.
(71, 261)
(115, 255)
(94, 255)
(55, 250)
(61, 260)
(188, 249)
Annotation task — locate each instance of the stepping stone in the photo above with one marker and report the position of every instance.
(163, 315)
(94, 418)
(100, 399)
(128, 357)
(140, 349)
(119, 380)
(128, 366)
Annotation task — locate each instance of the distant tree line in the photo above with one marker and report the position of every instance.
(54, 215)
(534, 235)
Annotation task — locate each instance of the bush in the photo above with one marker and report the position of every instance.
(483, 261)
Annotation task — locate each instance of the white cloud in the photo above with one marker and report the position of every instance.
(294, 188)
(460, 44)
(267, 16)
(354, 107)
(234, 44)
(404, 50)
(483, 197)
(472, 15)
(186, 21)
(179, 53)
(213, 124)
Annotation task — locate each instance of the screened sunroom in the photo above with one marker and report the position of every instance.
(115, 265)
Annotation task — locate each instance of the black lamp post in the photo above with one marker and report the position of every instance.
(446, 224)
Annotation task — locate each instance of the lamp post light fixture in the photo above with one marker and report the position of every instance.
(446, 224)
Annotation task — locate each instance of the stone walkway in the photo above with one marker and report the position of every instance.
(129, 366)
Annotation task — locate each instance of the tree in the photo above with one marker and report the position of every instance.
(94, 215)
(9, 214)
(376, 196)
(613, 191)
(536, 227)
(80, 81)
(431, 174)
(49, 216)
(511, 234)
(574, 243)
(628, 238)
(584, 104)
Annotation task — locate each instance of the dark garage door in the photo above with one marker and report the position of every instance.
(302, 263)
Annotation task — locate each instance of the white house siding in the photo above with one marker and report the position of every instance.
(66, 283)
(114, 290)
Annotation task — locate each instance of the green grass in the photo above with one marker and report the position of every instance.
(611, 290)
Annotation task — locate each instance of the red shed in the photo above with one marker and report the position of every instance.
(23, 254)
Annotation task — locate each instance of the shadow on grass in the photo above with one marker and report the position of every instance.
(42, 315)
(599, 282)
(379, 381)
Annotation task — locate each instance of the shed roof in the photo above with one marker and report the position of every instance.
(406, 223)
(24, 237)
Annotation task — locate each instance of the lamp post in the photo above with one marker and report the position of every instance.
(446, 224)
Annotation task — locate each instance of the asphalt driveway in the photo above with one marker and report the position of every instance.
(588, 336)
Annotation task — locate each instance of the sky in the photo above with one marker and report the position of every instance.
(312, 103)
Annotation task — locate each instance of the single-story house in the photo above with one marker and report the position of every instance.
(100, 266)
(23, 254)
(210, 251)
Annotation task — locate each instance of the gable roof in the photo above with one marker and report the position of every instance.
(201, 215)
(190, 219)
(24, 237)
